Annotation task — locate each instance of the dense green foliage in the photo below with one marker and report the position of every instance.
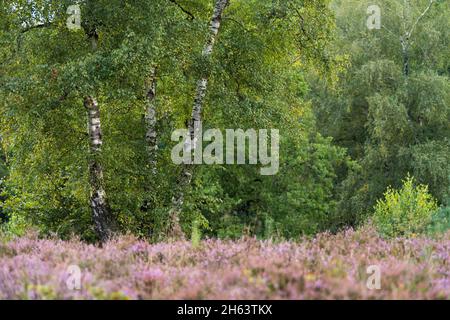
(390, 122)
(440, 221)
(351, 122)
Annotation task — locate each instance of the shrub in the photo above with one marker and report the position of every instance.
(404, 212)
(16, 226)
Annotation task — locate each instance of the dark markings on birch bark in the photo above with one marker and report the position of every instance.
(101, 215)
(185, 177)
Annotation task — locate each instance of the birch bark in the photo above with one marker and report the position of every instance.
(150, 120)
(101, 215)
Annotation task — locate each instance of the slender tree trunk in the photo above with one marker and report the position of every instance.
(150, 138)
(150, 120)
(185, 178)
(103, 222)
(405, 39)
(405, 55)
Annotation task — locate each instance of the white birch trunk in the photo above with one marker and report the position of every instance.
(196, 118)
(103, 222)
(101, 214)
(405, 39)
(150, 120)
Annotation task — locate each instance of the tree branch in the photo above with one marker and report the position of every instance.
(408, 34)
(190, 15)
(37, 26)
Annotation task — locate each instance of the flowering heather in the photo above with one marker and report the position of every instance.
(326, 267)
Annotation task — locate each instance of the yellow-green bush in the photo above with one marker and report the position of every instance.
(404, 212)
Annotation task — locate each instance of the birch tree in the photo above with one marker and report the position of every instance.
(101, 214)
(150, 120)
(408, 30)
(196, 117)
